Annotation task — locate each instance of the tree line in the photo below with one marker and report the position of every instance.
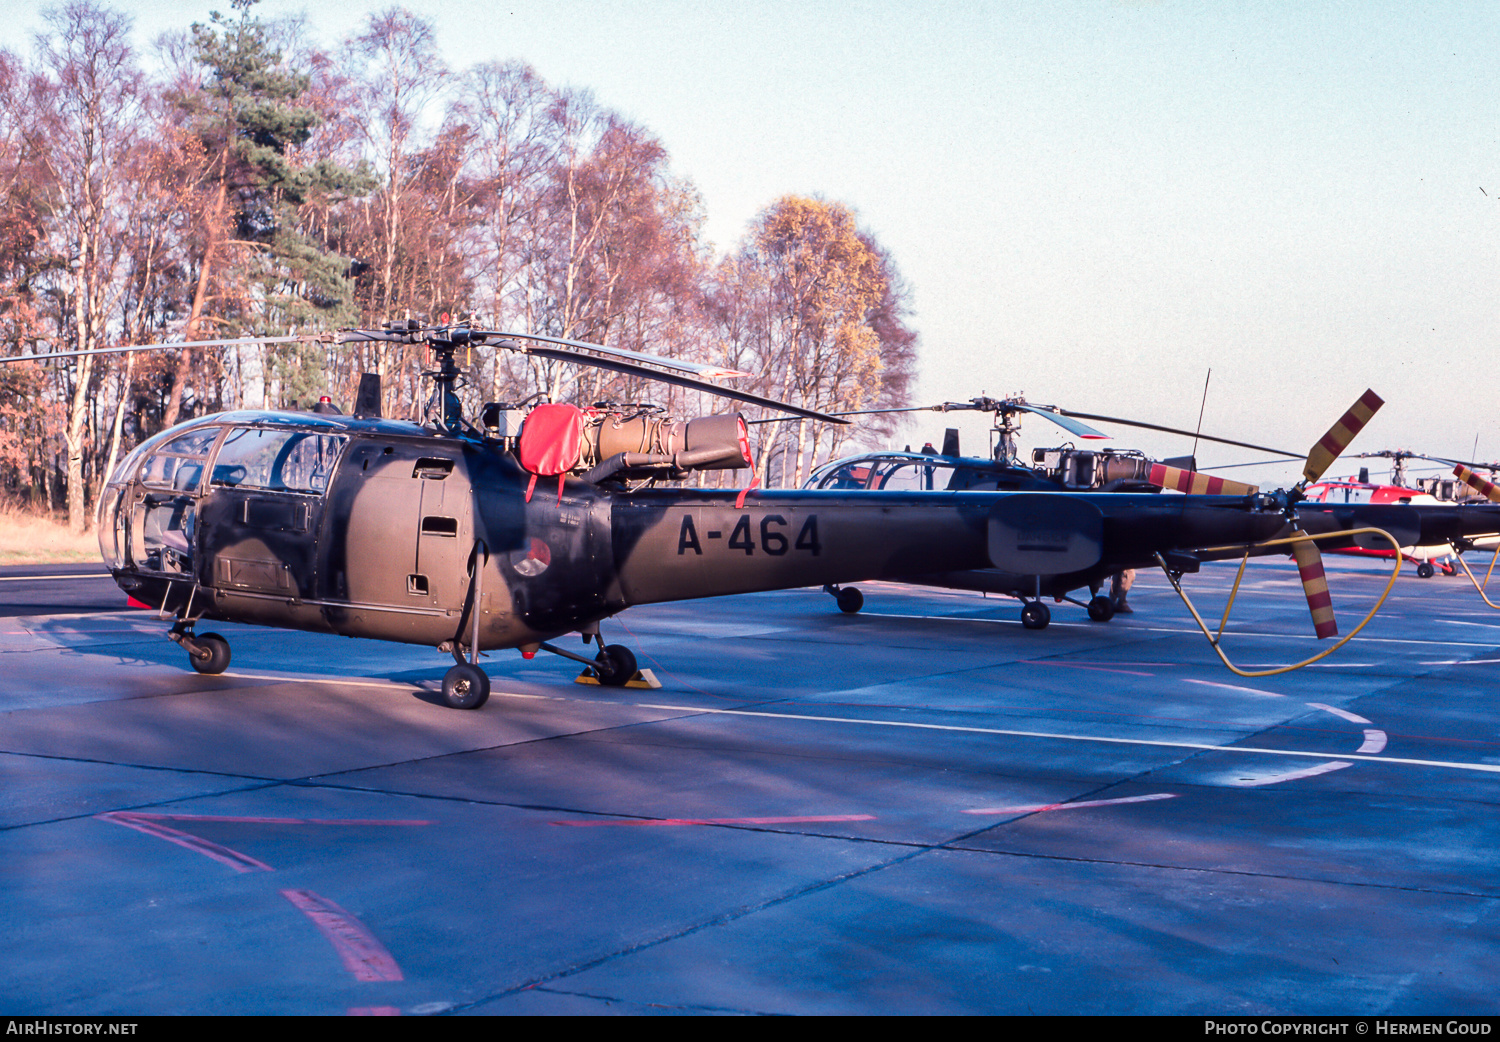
(254, 184)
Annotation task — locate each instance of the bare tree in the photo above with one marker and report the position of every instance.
(92, 106)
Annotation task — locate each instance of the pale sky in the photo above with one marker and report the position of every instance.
(1093, 202)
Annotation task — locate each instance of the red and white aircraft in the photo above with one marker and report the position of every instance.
(1434, 492)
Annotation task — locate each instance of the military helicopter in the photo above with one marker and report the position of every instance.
(1061, 469)
(1327, 505)
(454, 535)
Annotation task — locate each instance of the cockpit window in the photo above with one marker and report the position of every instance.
(891, 475)
(280, 461)
(852, 475)
(922, 476)
(178, 464)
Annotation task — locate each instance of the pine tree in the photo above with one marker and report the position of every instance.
(261, 265)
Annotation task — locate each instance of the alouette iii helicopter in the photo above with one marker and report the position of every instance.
(1062, 469)
(456, 536)
(1325, 506)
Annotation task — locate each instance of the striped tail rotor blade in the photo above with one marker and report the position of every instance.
(1193, 483)
(1315, 586)
(1340, 435)
(1485, 488)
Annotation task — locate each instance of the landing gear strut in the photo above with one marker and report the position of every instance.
(466, 686)
(613, 666)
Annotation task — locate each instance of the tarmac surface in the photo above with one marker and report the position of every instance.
(920, 809)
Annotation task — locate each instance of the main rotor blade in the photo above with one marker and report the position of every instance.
(680, 365)
(633, 369)
(1485, 488)
(1315, 586)
(1178, 430)
(1447, 462)
(1340, 435)
(1196, 484)
(1063, 419)
(159, 346)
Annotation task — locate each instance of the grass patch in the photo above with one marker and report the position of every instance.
(29, 539)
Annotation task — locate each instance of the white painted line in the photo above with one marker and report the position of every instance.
(288, 678)
(1453, 765)
(1353, 718)
(52, 578)
(1235, 687)
(1374, 741)
(1461, 662)
(1456, 622)
(1308, 772)
(1039, 808)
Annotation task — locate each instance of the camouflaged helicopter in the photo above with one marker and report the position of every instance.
(1435, 526)
(515, 531)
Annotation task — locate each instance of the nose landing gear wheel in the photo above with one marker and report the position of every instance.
(212, 658)
(1036, 615)
(850, 600)
(466, 686)
(615, 665)
(1425, 570)
(1101, 609)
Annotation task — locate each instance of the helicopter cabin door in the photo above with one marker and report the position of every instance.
(261, 515)
(405, 514)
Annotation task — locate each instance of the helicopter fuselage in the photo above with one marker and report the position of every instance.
(387, 530)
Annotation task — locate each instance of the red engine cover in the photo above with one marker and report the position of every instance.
(551, 439)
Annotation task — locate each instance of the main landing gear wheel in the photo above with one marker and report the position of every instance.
(850, 600)
(466, 686)
(1101, 609)
(615, 665)
(212, 658)
(1425, 570)
(1036, 615)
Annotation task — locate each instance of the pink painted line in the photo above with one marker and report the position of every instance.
(1310, 772)
(375, 1011)
(363, 955)
(273, 821)
(1039, 808)
(641, 822)
(1092, 669)
(1374, 741)
(225, 856)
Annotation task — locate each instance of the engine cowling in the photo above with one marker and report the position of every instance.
(600, 444)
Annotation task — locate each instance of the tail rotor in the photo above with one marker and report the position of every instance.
(1305, 552)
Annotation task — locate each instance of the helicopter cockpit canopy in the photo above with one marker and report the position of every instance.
(148, 512)
(914, 472)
